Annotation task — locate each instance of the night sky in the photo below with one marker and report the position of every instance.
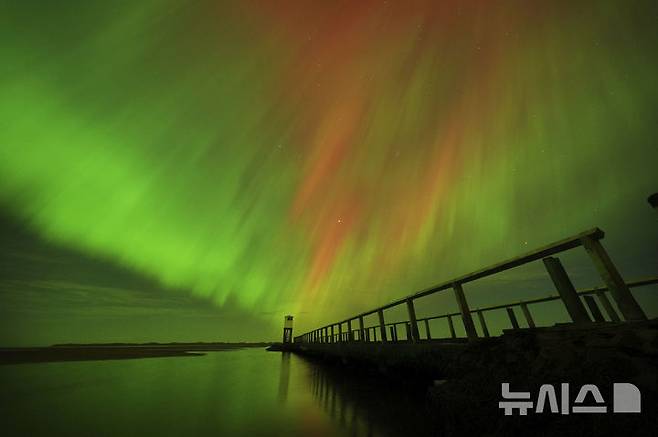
(193, 170)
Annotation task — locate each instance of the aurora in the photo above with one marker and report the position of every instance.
(320, 158)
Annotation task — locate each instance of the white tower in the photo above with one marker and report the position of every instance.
(287, 329)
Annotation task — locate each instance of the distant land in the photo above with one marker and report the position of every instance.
(175, 343)
(114, 351)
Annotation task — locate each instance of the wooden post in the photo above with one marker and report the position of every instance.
(350, 334)
(469, 326)
(362, 334)
(392, 329)
(619, 291)
(341, 337)
(382, 325)
(566, 290)
(528, 316)
(332, 334)
(608, 306)
(453, 334)
(483, 323)
(408, 329)
(593, 308)
(512, 317)
(427, 329)
(415, 336)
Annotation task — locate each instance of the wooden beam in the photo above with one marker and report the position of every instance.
(527, 315)
(537, 254)
(415, 336)
(361, 330)
(608, 306)
(469, 326)
(619, 291)
(566, 290)
(483, 324)
(453, 334)
(382, 325)
(512, 318)
(594, 308)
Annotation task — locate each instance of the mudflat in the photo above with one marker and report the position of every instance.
(116, 351)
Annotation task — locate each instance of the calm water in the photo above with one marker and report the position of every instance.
(247, 392)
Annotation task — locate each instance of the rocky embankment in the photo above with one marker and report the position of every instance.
(466, 402)
(465, 378)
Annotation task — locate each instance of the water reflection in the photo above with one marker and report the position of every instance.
(369, 405)
(238, 393)
(284, 377)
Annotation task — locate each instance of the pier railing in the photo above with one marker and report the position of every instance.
(354, 330)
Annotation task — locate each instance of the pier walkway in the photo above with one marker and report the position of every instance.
(609, 304)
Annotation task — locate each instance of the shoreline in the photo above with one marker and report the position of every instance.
(103, 352)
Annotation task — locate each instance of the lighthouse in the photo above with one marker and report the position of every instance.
(287, 329)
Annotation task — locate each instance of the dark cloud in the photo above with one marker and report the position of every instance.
(51, 294)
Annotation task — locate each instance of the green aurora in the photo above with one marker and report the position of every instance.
(175, 170)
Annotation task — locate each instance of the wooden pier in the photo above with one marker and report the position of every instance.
(608, 339)
(417, 330)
